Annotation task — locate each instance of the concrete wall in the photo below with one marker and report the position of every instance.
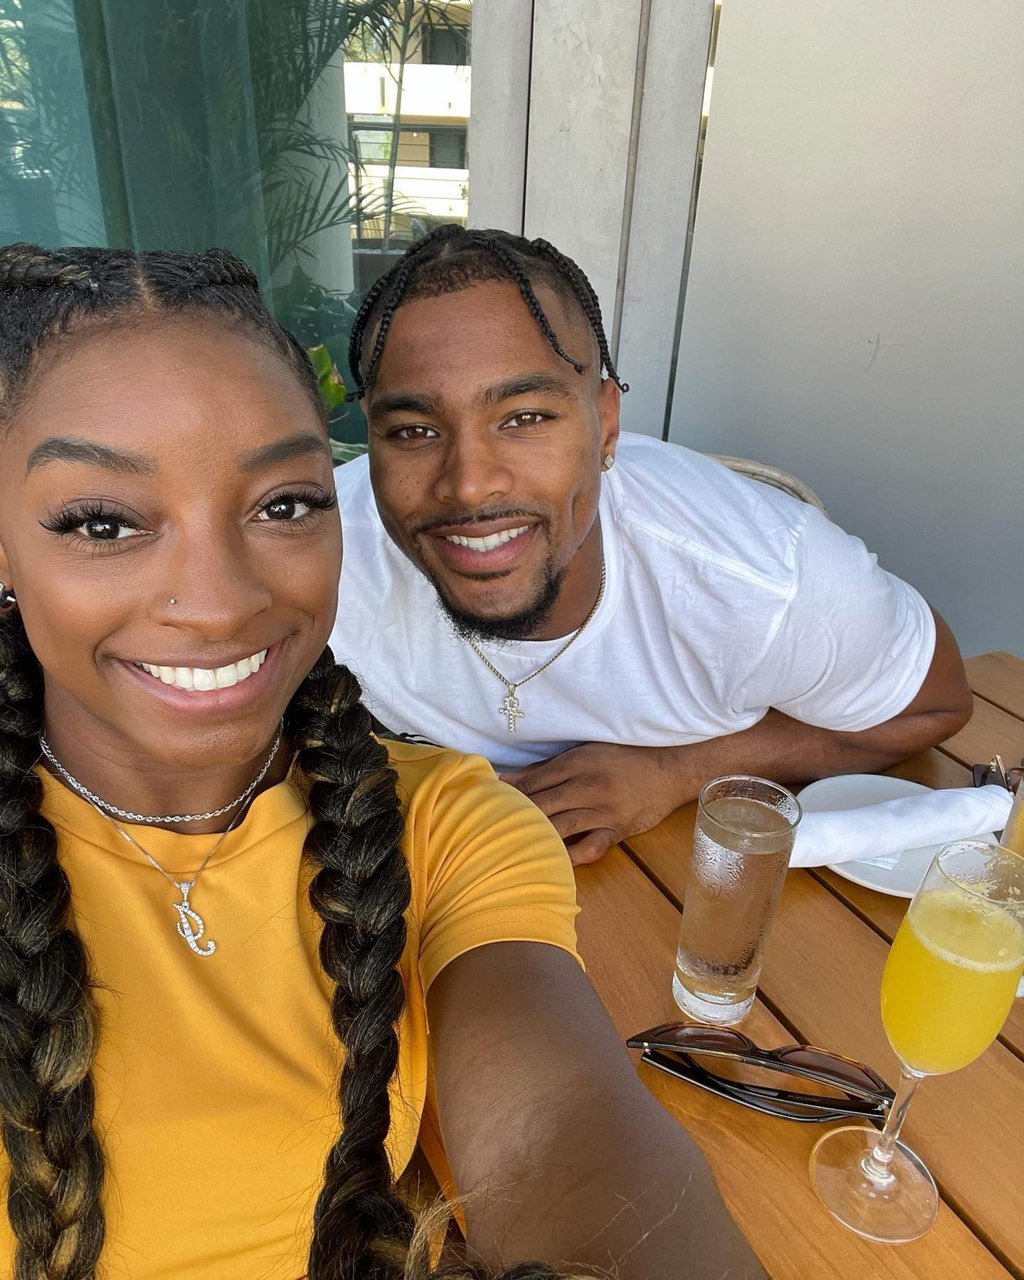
(855, 305)
(584, 129)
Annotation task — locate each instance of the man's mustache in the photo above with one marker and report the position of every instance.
(450, 521)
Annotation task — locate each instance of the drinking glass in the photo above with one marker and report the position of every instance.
(741, 846)
(948, 985)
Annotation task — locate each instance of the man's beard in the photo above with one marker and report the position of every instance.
(520, 625)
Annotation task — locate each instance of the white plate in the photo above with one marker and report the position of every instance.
(855, 791)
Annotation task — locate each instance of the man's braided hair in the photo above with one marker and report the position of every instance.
(48, 1024)
(452, 258)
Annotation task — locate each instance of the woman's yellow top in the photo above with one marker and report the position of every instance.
(215, 1077)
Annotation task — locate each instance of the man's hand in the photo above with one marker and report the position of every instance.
(600, 793)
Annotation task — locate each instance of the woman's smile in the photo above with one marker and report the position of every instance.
(205, 679)
(197, 690)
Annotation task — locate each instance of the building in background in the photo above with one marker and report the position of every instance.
(408, 106)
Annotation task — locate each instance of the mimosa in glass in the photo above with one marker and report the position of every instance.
(948, 985)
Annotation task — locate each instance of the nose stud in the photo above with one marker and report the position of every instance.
(173, 600)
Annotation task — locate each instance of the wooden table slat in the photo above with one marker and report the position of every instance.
(627, 932)
(989, 730)
(999, 678)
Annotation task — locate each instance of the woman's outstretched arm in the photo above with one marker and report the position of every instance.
(563, 1155)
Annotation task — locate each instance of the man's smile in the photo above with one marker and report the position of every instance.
(478, 549)
(490, 541)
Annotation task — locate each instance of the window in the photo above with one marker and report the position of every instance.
(307, 138)
(446, 45)
(448, 148)
(426, 146)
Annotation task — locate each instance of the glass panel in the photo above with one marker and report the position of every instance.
(315, 140)
(408, 103)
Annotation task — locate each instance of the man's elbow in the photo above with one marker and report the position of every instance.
(962, 711)
(916, 729)
(953, 703)
(941, 725)
(928, 728)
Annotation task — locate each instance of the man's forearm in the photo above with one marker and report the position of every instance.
(789, 751)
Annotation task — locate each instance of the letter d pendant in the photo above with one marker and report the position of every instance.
(190, 923)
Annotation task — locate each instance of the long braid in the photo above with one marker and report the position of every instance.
(361, 893)
(451, 258)
(361, 1229)
(47, 1021)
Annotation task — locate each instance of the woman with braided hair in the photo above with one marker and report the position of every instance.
(226, 908)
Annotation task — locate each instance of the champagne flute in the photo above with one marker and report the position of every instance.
(948, 985)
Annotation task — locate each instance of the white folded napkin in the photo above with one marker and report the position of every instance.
(880, 833)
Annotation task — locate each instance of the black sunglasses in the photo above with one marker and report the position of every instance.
(996, 774)
(857, 1089)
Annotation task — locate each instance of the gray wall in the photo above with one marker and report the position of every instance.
(855, 305)
(583, 130)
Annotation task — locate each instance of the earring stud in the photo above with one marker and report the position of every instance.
(7, 598)
(608, 461)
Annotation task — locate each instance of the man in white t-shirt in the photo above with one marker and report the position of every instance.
(609, 619)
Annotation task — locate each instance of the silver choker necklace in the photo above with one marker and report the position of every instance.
(511, 709)
(166, 819)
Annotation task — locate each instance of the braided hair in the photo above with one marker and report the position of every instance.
(361, 889)
(46, 295)
(451, 258)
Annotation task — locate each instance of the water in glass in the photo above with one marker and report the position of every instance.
(741, 851)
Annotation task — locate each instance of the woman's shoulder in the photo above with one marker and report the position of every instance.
(424, 770)
(455, 803)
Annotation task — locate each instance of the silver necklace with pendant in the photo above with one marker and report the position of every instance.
(191, 926)
(510, 707)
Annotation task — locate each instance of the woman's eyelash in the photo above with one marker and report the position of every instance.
(68, 519)
(316, 499)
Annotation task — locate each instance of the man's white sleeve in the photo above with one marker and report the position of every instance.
(854, 643)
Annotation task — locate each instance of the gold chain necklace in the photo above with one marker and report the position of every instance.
(511, 708)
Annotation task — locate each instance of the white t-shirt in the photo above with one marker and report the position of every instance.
(724, 597)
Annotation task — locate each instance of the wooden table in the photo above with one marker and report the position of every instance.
(820, 985)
